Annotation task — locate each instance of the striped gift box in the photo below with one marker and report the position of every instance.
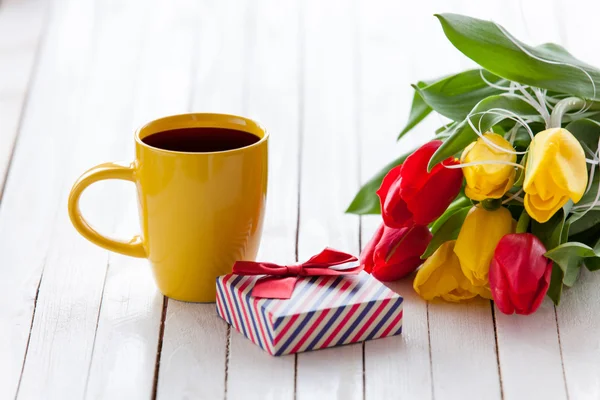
(322, 312)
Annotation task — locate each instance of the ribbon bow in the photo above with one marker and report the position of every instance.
(280, 280)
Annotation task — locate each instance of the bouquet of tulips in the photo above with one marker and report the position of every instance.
(504, 203)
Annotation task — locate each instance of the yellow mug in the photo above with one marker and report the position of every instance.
(199, 211)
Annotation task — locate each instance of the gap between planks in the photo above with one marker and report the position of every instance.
(301, 127)
(41, 41)
(30, 82)
(161, 332)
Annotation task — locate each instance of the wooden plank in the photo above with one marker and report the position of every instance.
(466, 331)
(39, 171)
(530, 343)
(21, 25)
(579, 327)
(577, 314)
(397, 367)
(272, 97)
(329, 175)
(463, 354)
(125, 350)
(66, 318)
(195, 347)
(428, 57)
(529, 354)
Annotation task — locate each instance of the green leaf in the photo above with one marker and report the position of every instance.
(520, 175)
(463, 134)
(548, 66)
(418, 111)
(556, 284)
(589, 236)
(570, 257)
(448, 231)
(523, 222)
(522, 139)
(593, 264)
(582, 208)
(456, 95)
(458, 203)
(587, 131)
(366, 200)
(579, 225)
(445, 128)
(550, 232)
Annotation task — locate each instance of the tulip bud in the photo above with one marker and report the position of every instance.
(480, 233)
(442, 277)
(394, 253)
(488, 180)
(519, 274)
(411, 195)
(555, 171)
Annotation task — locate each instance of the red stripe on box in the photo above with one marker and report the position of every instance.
(367, 324)
(295, 316)
(293, 301)
(261, 326)
(220, 306)
(230, 304)
(321, 317)
(353, 309)
(392, 324)
(243, 307)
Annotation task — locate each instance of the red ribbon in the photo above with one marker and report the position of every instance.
(280, 280)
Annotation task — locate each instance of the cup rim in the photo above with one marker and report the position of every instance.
(215, 116)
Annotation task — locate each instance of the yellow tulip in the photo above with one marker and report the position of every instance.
(555, 172)
(441, 277)
(480, 233)
(488, 181)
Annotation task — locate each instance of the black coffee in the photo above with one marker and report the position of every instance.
(200, 140)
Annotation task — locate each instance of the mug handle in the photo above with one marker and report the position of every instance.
(111, 170)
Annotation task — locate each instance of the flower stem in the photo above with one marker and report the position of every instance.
(523, 223)
(491, 204)
(562, 107)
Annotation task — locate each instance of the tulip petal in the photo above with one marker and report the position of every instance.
(480, 233)
(394, 210)
(398, 252)
(519, 274)
(415, 174)
(441, 277)
(488, 180)
(393, 272)
(541, 210)
(556, 170)
(499, 288)
(366, 256)
(438, 191)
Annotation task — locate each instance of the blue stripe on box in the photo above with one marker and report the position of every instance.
(237, 306)
(253, 319)
(337, 313)
(264, 315)
(292, 301)
(309, 315)
(361, 316)
(385, 318)
(223, 302)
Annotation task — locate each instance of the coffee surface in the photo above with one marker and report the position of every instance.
(200, 140)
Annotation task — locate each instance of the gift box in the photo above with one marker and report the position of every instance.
(322, 311)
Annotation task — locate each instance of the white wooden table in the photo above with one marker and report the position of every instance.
(330, 80)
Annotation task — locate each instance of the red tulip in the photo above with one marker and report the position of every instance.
(519, 273)
(411, 195)
(394, 253)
